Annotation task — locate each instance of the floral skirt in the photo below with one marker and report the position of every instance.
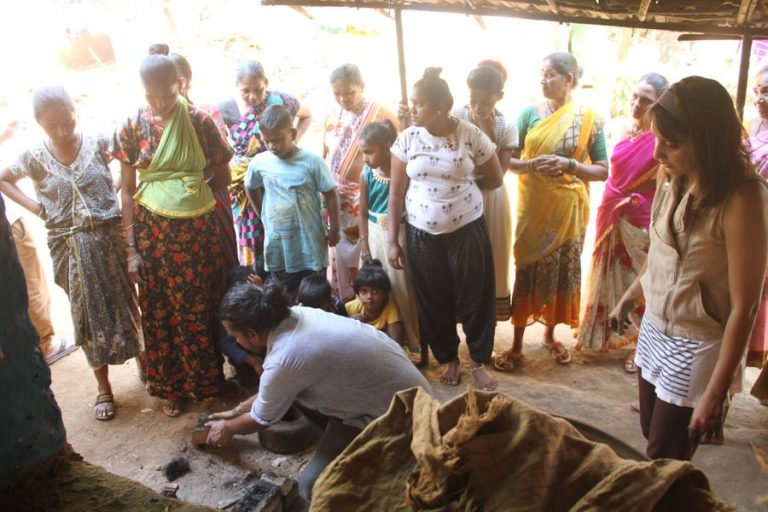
(226, 225)
(615, 263)
(182, 284)
(548, 290)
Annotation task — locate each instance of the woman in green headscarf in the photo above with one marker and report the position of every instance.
(172, 234)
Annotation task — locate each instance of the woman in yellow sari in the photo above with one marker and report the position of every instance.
(563, 147)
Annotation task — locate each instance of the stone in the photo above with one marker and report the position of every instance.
(170, 490)
(177, 467)
(261, 496)
(289, 488)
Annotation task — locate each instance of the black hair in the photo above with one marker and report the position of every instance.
(347, 73)
(373, 275)
(183, 68)
(250, 68)
(50, 96)
(158, 49)
(239, 274)
(709, 122)
(486, 78)
(314, 292)
(382, 133)
(657, 81)
(274, 118)
(158, 70)
(565, 64)
(434, 88)
(247, 306)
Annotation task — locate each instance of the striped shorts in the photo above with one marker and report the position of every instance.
(679, 368)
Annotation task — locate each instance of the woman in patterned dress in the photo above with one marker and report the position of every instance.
(486, 88)
(77, 201)
(621, 241)
(563, 147)
(172, 234)
(241, 117)
(342, 153)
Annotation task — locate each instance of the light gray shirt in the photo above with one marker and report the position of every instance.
(336, 366)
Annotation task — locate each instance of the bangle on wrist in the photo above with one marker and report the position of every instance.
(41, 213)
(531, 166)
(571, 165)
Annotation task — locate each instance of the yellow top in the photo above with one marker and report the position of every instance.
(390, 314)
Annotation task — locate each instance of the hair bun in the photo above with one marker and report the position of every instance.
(580, 72)
(159, 49)
(373, 263)
(432, 73)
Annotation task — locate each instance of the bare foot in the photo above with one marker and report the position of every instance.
(483, 379)
(452, 374)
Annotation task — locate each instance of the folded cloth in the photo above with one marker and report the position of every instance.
(489, 452)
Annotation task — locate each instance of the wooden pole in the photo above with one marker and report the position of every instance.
(401, 59)
(741, 88)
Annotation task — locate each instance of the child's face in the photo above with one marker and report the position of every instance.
(280, 142)
(482, 103)
(373, 299)
(252, 90)
(375, 155)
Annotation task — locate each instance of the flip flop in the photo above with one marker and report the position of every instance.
(629, 363)
(558, 352)
(172, 408)
(507, 361)
(66, 347)
(104, 398)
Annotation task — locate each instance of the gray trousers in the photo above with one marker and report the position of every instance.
(336, 436)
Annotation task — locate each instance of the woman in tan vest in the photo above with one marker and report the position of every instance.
(703, 277)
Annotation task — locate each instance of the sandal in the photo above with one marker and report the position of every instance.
(172, 408)
(107, 412)
(507, 361)
(629, 363)
(558, 352)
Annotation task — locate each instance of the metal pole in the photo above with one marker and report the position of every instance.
(741, 88)
(401, 59)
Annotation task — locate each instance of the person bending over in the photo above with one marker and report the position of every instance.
(343, 371)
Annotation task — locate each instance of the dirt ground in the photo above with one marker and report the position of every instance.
(593, 389)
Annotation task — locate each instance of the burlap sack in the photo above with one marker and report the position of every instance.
(488, 452)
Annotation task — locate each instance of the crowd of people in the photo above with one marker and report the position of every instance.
(242, 243)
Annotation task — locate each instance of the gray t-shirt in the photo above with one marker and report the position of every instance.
(336, 366)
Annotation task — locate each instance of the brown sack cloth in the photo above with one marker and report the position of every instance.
(487, 452)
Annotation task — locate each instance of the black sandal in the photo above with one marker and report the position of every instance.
(104, 398)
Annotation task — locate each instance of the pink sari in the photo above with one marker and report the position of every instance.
(622, 239)
(757, 353)
(632, 166)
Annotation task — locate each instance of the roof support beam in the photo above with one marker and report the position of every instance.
(741, 88)
(642, 11)
(746, 9)
(682, 26)
(401, 58)
(553, 5)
